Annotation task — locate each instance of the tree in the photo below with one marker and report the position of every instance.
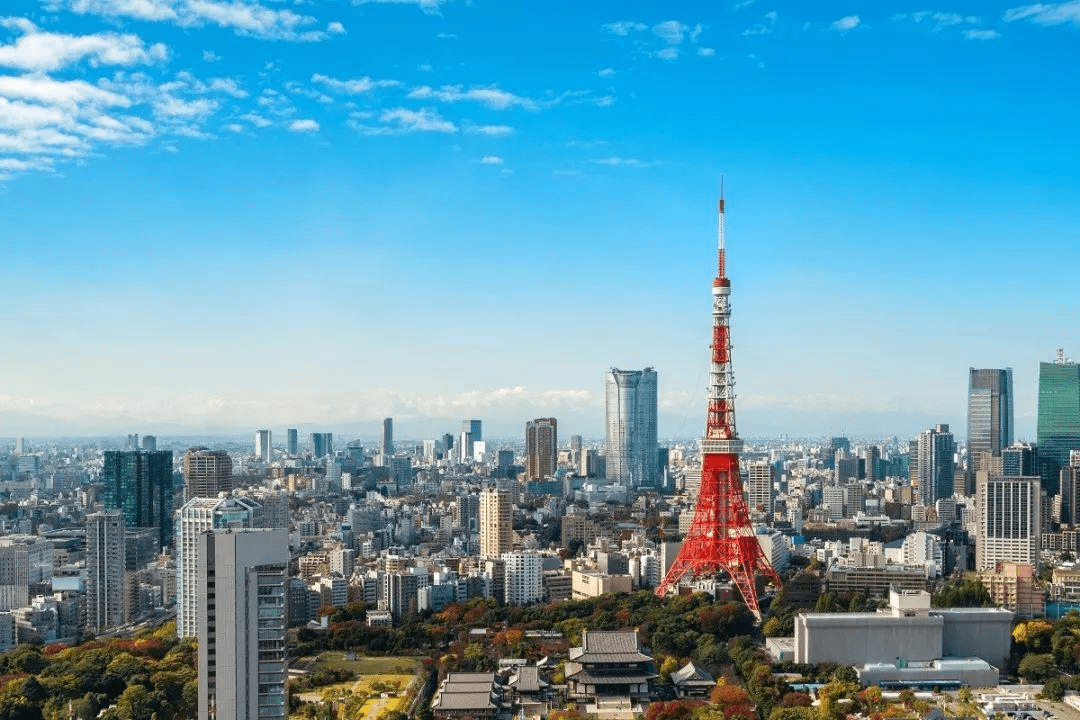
(1053, 689)
(1038, 667)
(845, 674)
(670, 665)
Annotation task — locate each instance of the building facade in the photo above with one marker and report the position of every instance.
(1009, 515)
(140, 483)
(541, 448)
(630, 414)
(241, 626)
(990, 415)
(1058, 424)
(495, 522)
(263, 448)
(206, 473)
(197, 516)
(936, 466)
(387, 436)
(106, 596)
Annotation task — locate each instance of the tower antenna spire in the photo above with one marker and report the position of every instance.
(721, 538)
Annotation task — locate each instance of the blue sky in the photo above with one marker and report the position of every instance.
(224, 214)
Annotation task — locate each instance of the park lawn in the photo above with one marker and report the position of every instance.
(367, 665)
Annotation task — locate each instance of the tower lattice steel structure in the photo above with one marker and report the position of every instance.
(721, 538)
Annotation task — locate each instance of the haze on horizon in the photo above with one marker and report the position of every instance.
(325, 214)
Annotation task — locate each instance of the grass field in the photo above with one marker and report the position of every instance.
(374, 676)
(364, 665)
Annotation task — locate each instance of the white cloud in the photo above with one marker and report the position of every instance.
(670, 31)
(304, 126)
(428, 6)
(706, 51)
(47, 91)
(210, 56)
(758, 29)
(624, 27)
(245, 17)
(399, 121)
(668, 53)
(138, 9)
(44, 51)
(846, 23)
(491, 160)
(491, 96)
(256, 119)
(606, 73)
(235, 127)
(491, 130)
(615, 161)
(171, 107)
(981, 34)
(1046, 14)
(356, 86)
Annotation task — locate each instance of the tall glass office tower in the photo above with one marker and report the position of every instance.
(140, 483)
(630, 409)
(990, 411)
(1059, 418)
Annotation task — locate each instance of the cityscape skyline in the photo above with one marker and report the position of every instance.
(486, 157)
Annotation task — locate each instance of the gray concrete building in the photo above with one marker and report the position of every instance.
(241, 624)
(909, 642)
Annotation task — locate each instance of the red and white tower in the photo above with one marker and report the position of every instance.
(721, 538)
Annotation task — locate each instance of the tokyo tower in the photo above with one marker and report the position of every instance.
(721, 538)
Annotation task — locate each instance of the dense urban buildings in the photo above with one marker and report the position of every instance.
(630, 422)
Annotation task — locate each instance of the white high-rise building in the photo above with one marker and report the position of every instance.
(1009, 515)
(471, 432)
(630, 411)
(759, 487)
(241, 624)
(196, 517)
(496, 519)
(523, 578)
(262, 446)
(106, 599)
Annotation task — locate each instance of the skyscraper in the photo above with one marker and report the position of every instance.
(471, 432)
(990, 416)
(322, 444)
(206, 473)
(197, 516)
(263, 450)
(541, 448)
(292, 445)
(759, 486)
(141, 484)
(935, 466)
(1059, 418)
(241, 624)
(630, 410)
(496, 518)
(990, 411)
(388, 436)
(1009, 520)
(106, 599)
(149, 442)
